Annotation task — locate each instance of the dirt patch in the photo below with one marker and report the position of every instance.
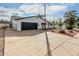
(65, 32)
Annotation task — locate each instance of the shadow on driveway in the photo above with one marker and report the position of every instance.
(48, 45)
(14, 33)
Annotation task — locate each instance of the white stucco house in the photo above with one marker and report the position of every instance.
(29, 23)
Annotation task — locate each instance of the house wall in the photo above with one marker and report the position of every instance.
(14, 23)
(17, 23)
(33, 20)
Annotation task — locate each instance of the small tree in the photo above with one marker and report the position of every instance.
(70, 19)
(53, 24)
(78, 22)
(60, 23)
(78, 25)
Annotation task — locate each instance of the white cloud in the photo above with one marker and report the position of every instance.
(55, 9)
(53, 12)
(4, 10)
(34, 8)
(10, 11)
(6, 13)
(39, 9)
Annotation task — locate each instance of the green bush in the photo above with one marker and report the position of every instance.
(70, 27)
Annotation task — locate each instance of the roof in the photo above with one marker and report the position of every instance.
(4, 22)
(40, 16)
(19, 18)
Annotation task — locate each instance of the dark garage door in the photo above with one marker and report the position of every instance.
(28, 26)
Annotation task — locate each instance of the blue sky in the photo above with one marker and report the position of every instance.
(53, 10)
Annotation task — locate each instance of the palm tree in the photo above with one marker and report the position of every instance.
(70, 19)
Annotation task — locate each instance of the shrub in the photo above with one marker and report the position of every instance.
(70, 19)
(61, 31)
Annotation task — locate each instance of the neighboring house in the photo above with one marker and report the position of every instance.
(29, 23)
(4, 24)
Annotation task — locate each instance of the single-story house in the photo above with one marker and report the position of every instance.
(4, 24)
(29, 23)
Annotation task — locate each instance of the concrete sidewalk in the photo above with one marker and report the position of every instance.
(77, 36)
(33, 43)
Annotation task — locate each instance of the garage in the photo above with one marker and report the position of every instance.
(28, 26)
(28, 23)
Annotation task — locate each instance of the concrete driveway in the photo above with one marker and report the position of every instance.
(35, 43)
(77, 36)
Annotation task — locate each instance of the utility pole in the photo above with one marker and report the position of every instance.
(47, 41)
(45, 15)
(4, 29)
